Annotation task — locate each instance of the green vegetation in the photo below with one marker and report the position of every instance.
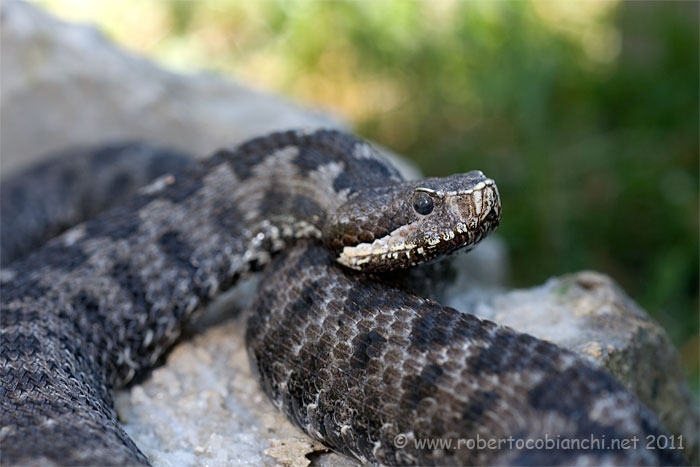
(586, 113)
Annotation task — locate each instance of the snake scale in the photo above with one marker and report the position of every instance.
(346, 351)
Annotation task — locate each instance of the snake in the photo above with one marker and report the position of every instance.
(344, 347)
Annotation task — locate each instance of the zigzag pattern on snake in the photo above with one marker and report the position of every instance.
(356, 360)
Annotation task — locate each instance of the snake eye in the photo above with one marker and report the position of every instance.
(423, 204)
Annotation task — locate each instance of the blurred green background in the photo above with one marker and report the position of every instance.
(586, 113)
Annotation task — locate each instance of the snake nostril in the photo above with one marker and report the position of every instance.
(492, 216)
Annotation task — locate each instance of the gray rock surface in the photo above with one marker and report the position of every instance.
(65, 85)
(62, 85)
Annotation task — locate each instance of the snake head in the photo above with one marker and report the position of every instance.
(401, 225)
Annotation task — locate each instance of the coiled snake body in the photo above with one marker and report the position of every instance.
(355, 360)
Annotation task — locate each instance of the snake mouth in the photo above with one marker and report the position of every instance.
(394, 249)
(388, 254)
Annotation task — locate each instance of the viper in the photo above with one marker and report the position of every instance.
(338, 341)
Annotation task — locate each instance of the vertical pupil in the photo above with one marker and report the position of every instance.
(423, 204)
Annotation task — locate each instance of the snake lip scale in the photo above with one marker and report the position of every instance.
(346, 351)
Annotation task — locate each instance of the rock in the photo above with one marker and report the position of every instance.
(63, 85)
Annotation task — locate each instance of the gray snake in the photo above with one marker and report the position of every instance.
(355, 359)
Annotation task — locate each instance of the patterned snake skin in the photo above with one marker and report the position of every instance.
(354, 359)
